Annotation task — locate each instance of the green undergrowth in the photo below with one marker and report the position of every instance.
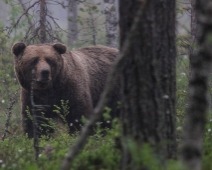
(100, 153)
(207, 150)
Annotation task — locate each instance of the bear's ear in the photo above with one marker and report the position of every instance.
(18, 48)
(60, 48)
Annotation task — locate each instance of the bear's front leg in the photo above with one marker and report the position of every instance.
(79, 109)
(43, 118)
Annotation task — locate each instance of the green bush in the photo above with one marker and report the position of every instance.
(100, 153)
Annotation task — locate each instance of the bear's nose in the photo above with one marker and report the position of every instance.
(45, 74)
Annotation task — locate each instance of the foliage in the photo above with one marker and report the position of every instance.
(100, 152)
(16, 32)
(8, 85)
(182, 89)
(182, 77)
(144, 156)
(91, 22)
(207, 153)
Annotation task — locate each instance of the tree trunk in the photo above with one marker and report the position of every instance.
(72, 24)
(42, 21)
(111, 23)
(148, 79)
(192, 140)
(92, 25)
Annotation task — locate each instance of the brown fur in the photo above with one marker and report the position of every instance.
(78, 76)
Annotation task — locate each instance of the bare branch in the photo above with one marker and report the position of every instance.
(27, 14)
(24, 14)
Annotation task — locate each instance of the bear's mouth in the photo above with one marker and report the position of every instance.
(42, 84)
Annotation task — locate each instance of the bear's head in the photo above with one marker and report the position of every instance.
(41, 63)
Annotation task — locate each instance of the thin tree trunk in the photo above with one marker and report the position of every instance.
(192, 140)
(148, 79)
(42, 21)
(93, 28)
(193, 25)
(72, 24)
(111, 23)
(193, 34)
(91, 22)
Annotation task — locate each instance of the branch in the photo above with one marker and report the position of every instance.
(25, 13)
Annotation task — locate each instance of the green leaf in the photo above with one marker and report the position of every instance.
(82, 9)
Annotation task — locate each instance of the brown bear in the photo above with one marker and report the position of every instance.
(76, 76)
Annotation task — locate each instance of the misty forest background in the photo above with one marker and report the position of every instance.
(81, 23)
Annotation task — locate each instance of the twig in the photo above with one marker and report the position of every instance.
(25, 13)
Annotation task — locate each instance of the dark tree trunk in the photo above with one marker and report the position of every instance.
(148, 78)
(42, 21)
(192, 141)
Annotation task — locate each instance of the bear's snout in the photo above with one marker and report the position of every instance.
(43, 72)
(43, 78)
(45, 75)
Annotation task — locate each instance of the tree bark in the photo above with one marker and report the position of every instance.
(148, 79)
(111, 23)
(192, 139)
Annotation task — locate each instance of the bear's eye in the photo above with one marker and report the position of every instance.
(34, 61)
(50, 62)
